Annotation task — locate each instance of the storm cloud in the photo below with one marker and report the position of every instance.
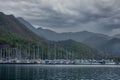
(102, 16)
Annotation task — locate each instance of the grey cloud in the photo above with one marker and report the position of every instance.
(101, 16)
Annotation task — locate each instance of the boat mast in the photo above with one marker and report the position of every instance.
(55, 51)
(38, 52)
(48, 52)
(0, 53)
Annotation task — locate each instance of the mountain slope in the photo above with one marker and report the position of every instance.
(15, 34)
(27, 24)
(10, 23)
(77, 36)
(113, 46)
(80, 50)
(94, 40)
(41, 32)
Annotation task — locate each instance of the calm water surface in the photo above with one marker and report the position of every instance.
(38, 72)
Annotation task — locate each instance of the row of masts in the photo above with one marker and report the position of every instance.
(35, 53)
(49, 55)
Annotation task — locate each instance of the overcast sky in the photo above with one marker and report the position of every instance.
(101, 16)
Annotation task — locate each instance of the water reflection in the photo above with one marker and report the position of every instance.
(36, 72)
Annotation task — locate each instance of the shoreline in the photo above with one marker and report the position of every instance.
(61, 65)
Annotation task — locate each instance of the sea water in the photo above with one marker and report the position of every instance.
(59, 72)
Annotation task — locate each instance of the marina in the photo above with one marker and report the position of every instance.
(59, 39)
(59, 62)
(17, 56)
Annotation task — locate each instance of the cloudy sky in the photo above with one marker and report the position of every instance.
(102, 16)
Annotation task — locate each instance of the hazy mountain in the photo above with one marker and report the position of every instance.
(113, 46)
(77, 36)
(41, 32)
(80, 48)
(48, 34)
(94, 40)
(14, 33)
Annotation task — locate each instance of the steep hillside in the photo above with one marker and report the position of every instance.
(10, 23)
(94, 40)
(41, 32)
(15, 34)
(80, 50)
(27, 24)
(113, 46)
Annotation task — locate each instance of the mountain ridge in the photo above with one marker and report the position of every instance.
(14, 33)
(94, 40)
(85, 37)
